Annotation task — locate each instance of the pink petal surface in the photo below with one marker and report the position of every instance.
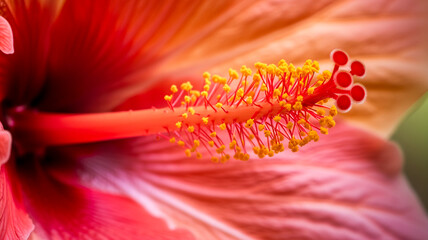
(6, 36)
(14, 221)
(64, 211)
(346, 186)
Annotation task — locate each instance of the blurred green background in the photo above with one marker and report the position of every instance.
(412, 136)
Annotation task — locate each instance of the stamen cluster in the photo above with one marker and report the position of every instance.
(276, 104)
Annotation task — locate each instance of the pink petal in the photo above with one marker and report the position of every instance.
(65, 211)
(14, 221)
(347, 186)
(6, 36)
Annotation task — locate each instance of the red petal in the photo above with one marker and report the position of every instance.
(14, 221)
(64, 211)
(6, 36)
(346, 186)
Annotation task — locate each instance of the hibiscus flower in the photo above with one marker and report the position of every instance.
(100, 57)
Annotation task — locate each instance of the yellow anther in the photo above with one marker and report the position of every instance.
(321, 112)
(206, 75)
(220, 149)
(245, 71)
(298, 106)
(222, 126)
(174, 89)
(256, 77)
(211, 143)
(206, 87)
(168, 98)
(191, 110)
(205, 120)
(184, 115)
(249, 100)
(250, 123)
(218, 97)
(187, 86)
(178, 124)
(214, 159)
(311, 90)
(222, 80)
(299, 98)
(198, 155)
(233, 73)
(277, 118)
(285, 96)
(195, 93)
(219, 105)
(267, 133)
(216, 78)
(213, 134)
(276, 92)
(224, 158)
(240, 92)
(260, 65)
(232, 144)
(196, 143)
(244, 83)
(172, 140)
(333, 111)
(301, 121)
(181, 143)
(187, 99)
(295, 149)
(251, 136)
(191, 129)
(271, 153)
(289, 125)
(261, 127)
(204, 94)
(323, 130)
(263, 88)
(188, 153)
(226, 88)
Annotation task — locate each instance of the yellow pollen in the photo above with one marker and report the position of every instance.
(214, 159)
(298, 106)
(178, 124)
(250, 123)
(261, 127)
(323, 130)
(222, 126)
(188, 153)
(174, 89)
(191, 111)
(206, 75)
(172, 140)
(219, 105)
(204, 94)
(233, 73)
(211, 143)
(191, 129)
(333, 111)
(205, 120)
(226, 88)
(181, 143)
(277, 118)
(184, 115)
(213, 134)
(168, 98)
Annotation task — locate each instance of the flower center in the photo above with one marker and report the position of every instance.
(277, 103)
